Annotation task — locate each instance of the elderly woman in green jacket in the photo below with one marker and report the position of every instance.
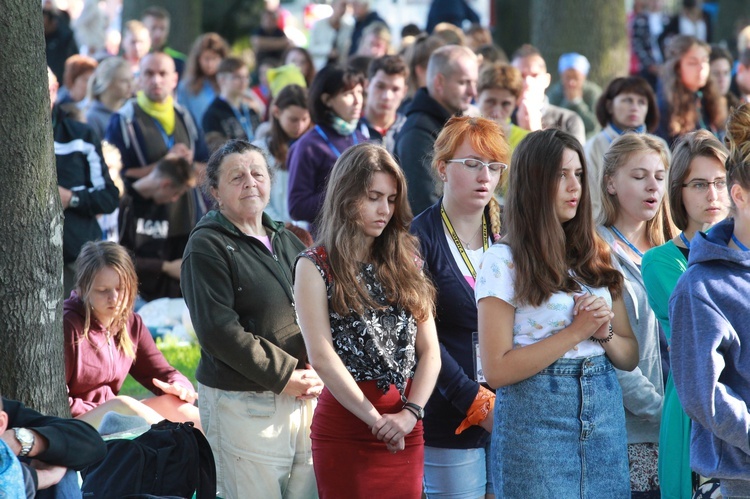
(256, 390)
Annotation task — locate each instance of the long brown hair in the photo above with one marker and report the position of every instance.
(194, 75)
(95, 256)
(545, 252)
(395, 252)
(659, 229)
(486, 138)
(279, 141)
(683, 112)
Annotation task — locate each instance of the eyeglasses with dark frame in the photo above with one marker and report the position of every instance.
(476, 165)
(702, 185)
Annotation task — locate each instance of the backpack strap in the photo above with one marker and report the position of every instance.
(206, 465)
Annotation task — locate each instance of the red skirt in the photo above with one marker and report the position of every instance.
(350, 462)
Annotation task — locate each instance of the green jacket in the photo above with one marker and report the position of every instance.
(241, 303)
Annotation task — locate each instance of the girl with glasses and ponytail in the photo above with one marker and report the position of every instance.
(470, 160)
(697, 188)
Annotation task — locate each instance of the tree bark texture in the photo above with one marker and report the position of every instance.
(733, 16)
(512, 24)
(232, 19)
(594, 28)
(186, 19)
(31, 334)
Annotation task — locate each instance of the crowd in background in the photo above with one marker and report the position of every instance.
(273, 189)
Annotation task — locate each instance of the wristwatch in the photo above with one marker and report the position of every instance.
(25, 437)
(418, 411)
(74, 200)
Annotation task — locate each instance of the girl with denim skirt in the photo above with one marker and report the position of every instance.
(635, 218)
(552, 324)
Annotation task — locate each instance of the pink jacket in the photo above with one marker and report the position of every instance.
(95, 369)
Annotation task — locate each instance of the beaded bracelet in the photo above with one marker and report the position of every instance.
(605, 340)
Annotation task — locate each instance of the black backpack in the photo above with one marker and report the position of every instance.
(170, 459)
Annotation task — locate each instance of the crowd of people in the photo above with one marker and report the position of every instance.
(413, 269)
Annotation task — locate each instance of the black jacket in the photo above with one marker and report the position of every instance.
(424, 120)
(81, 168)
(72, 443)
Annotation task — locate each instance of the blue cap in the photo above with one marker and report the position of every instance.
(575, 61)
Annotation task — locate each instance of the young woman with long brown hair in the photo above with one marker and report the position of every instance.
(365, 309)
(199, 87)
(289, 120)
(552, 327)
(688, 99)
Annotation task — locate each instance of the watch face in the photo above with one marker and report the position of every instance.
(24, 436)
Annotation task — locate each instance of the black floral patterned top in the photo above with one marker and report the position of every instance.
(377, 345)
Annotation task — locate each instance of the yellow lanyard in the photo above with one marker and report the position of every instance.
(457, 241)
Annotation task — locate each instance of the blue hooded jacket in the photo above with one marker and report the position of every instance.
(709, 315)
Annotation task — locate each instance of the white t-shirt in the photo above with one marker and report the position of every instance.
(475, 257)
(496, 277)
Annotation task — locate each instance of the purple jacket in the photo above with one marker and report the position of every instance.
(310, 160)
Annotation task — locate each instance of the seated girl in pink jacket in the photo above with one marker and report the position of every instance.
(105, 341)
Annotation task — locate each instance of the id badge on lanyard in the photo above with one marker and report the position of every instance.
(478, 373)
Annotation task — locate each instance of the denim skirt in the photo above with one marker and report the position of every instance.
(561, 434)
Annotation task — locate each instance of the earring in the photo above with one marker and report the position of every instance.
(442, 177)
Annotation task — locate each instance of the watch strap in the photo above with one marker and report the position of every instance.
(26, 438)
(415, 409)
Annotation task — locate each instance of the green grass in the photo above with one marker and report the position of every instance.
(184, 358)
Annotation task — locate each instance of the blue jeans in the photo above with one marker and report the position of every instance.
(457, 473)
(561, 434)
(67, 488)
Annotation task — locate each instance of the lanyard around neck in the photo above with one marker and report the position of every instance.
(739, 244)
(243, 116)
(457, 240)
(684, 240)
(333, 148)
(168, 139)
(625, 240)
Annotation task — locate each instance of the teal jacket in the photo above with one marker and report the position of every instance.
(662, 267)
(241, 303)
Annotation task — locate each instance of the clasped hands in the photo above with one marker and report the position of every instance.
(304, 384)
(593, 314)
(393, 428)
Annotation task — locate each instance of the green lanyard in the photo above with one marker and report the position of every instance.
(457, 241)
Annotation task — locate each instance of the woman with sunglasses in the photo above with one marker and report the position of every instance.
(470, 157)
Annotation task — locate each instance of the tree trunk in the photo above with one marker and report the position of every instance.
(232, 19)
(512, 24)
(31, 332)
(594, 28)
(186, 19)
(733, 16)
